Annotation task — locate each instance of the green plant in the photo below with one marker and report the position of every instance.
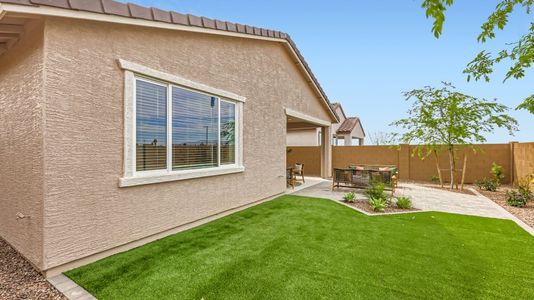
(523, 187)
(517, 198)
(519, 53)
(378, 204)
(375, 189)
(349, 197)
(487, 185)
(497, 172)
(445, 120)
(434, 178)
(404, 202)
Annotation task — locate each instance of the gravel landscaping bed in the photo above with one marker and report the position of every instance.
(19, 280)
(445, 187)
(364, 205)
(525, 214)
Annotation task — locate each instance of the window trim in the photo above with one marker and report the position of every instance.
(132, 177)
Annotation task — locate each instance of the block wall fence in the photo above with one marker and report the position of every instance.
(517, 160)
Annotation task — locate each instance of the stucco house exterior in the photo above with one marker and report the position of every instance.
(347, 132)
(122, 124)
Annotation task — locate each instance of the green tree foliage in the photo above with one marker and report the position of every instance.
(520, 54)
(443, 119)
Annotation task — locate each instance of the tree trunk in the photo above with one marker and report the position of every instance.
(452, 166)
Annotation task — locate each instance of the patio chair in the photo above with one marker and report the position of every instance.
(299, 170)
(290, 177)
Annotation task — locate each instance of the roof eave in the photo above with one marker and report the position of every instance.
(102, 17)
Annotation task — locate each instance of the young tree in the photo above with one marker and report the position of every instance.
(520, 54)
(444, 120)
(380, 138)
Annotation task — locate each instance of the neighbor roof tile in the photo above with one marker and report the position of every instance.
(348, 125)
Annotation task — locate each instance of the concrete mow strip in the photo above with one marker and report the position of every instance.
(69, 288)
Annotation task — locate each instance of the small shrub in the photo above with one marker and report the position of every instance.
(378, 204)
(497, 172)
(487, 185)
(404, 202)
(376, 190)
(349, 197)
(523, 188)
(434, 178)
(517, 198)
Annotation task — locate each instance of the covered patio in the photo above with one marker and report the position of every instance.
(300, 121)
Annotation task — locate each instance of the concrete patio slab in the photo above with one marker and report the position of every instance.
(425, 199)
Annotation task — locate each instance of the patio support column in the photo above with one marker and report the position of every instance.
(326, 152)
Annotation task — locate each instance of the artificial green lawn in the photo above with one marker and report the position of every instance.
(303, 248)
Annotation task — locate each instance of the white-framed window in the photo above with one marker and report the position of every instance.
(176, 129)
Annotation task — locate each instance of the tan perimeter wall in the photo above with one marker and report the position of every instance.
(309, 156)
(517, 160)
(21, 144)
(523, 164)
(86, 210)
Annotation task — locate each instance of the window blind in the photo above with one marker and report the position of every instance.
(195, 130)
(151, 126)
(228, 133)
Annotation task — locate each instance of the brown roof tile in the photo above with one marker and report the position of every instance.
(231, 26)
(348, 125)
(221, 25)
(140, 12)
(208, 23)
(195, 21)
(178, 18)
(53, 3)
(241, 28)
(153, 14)
(161, 15)
(115, 8)
(21, 2)
(92, 6)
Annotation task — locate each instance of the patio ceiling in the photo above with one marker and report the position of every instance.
(294, 123)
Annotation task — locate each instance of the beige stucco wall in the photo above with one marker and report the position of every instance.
(303, 137)
(86, 212)
(21, 147)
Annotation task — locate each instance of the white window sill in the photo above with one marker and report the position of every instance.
(178, 175)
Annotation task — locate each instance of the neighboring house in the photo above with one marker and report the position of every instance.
(122, 124)
(347, 132)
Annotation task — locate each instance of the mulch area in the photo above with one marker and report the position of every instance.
(525, 214)
(364, 205)
(19, 280)
(445, 187)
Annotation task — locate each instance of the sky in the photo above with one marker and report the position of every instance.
(365, 54)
